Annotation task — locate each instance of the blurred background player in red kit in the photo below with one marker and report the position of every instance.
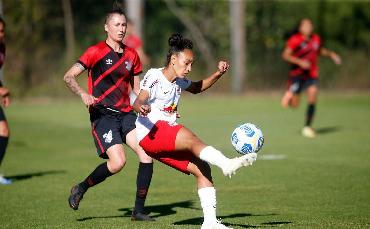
(301, 52)
(132, 40)
(5, 101)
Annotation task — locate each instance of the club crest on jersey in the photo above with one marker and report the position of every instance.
(108, 137)
(109, 61)
(128, 65)
(315, 45)
(170, 109)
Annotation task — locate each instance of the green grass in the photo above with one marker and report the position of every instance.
(321, 183)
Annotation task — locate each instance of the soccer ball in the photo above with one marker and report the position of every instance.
(247, 138)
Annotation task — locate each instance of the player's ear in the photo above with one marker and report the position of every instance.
(106, 28)
(173, 59)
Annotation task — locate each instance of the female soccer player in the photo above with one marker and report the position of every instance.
(301, 52)
(171, 143)
(5, 101)
(111, 68)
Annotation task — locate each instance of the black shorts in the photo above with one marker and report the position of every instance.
(2, 114)
(298, 83)
(110, 128)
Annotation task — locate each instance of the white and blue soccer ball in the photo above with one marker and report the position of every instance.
(247, 138)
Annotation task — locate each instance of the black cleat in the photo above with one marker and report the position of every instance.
(140, 217)
(77, 193)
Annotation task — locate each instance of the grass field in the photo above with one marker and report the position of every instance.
(313, 183)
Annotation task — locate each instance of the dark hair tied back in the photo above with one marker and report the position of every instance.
(177, 44)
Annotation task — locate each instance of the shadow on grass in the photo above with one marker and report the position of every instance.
(199, 221)
(100, 217)
(154, 210)
(26, 176)
(163, 209)
(327, 130)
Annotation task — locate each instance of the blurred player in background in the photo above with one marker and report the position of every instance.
(301, 52)
(132, 40)
(111, 66)
(171, 143)
(5, 101)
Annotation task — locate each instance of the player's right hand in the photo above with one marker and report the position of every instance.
(144, 110)
(304, 64)
(88, 99)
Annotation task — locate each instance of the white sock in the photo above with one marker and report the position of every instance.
(207, 198)
(213, 156)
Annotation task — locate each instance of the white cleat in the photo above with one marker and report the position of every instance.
(308, 132)
(238, 162)
(4, 181)
(214, 225)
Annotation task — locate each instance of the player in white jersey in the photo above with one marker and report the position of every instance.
(171, 143)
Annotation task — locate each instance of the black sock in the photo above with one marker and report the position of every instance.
(3, 145)
(310, 113)
(97, 176)
(144, 177)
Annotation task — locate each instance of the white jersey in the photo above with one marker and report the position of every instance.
(163, 99)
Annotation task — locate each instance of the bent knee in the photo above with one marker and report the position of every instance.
(116, 165)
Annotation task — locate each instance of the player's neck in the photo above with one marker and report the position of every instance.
(169, 73)
(116, 46)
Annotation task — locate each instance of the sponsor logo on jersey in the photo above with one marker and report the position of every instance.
(108, 137)
(153, 84)
(109, 61)
(170, 109)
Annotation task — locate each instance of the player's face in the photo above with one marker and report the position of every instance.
(183, 62)
(116, 27)
(2, 32)
(306, 27)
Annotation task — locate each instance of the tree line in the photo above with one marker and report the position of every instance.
(44, 37)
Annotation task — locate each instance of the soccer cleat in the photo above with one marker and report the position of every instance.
(238, 162)
(214, 225)
(4, 181)
(76, 196)
(137, 216)
(308, 132)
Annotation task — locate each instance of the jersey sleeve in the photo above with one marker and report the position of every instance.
(86, 60)
(149, 83)
(292, 42)
(137, 68)
(319, 40)
(183, 83)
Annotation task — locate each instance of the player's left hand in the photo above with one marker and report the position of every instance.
(6, 101)
(223, 66)
(336, 58)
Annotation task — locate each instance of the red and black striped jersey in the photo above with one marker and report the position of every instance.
(306, 49)
(109, 74)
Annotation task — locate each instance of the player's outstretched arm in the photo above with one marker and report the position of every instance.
(140, 105)
(202, 85)
(71, 82)
(332, 55)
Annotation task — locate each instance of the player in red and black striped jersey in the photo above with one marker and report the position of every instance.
(301, 52)
(112, 70)
(5, 101)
